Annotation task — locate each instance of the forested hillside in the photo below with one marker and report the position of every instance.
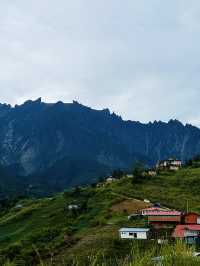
(45, 229)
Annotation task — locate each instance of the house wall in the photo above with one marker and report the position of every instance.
(177, 163)
(172, 165)
(190, 240)
(166, 219)
(190, 233)
(160, 225)
(174, 168)
(191, 236)
(152, 173)
(130, 235)
(191, 218)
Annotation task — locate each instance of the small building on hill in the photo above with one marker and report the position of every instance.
(151, 172)
(134, 233)
(110, 179)
(189, 233)
(164, 219)
(73, 207)
(170, 164)
(18, 206)
(191, 218)
(147, 211)
(147, 201)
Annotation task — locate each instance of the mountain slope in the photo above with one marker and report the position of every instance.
(69, 172)
(38, 136)
(47, 227)
(11, 184)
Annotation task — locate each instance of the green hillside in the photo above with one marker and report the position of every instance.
(45, 230)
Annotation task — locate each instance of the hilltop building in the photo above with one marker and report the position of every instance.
(170, 164)
(73, 207)
(151, 172)
(110, 179)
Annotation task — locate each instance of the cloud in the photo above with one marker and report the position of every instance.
(139, 58)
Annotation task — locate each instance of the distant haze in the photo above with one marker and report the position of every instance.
(138, 58)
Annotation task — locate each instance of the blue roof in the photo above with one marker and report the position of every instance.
(132, 229)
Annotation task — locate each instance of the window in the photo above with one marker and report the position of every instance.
(133, 234)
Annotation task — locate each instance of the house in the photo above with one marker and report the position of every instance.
(110, 179)
(101, 184)
(134, 233)
(19, 206)
(147, 211)
(164, 219)
(73, 207)
(151, 172)
(147, 201)
(191, 218)
(189, 233)
(170, 164)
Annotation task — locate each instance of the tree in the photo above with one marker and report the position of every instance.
(194, 162)
(117, 174)
(76, 191)
(138, 172)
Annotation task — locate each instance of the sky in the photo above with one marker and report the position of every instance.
(140, 59)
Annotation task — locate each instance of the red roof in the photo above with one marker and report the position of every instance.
(180, 229)
(164, 213)
(190, 213)
(152, 209)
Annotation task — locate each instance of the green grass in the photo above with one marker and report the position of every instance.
(129, 253)
(46, 227)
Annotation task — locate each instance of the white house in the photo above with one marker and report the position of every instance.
(110, 179)
(170, 164)
(134, 233)
(19, 206)
(73, 207)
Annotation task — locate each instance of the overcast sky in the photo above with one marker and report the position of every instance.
(139, 58)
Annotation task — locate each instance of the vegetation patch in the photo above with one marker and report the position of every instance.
(130, 206)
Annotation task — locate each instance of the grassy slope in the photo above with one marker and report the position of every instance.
(45, 225)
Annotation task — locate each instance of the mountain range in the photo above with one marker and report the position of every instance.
(57, 145)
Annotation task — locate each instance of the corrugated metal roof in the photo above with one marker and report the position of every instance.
(134, 229)
(153, 209)
(181, 229)
(190, 213)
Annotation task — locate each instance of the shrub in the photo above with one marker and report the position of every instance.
(45, 235)
(98, 221)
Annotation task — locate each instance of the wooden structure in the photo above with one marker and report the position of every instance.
(164, 219)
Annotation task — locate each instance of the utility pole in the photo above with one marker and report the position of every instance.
(187, 205)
